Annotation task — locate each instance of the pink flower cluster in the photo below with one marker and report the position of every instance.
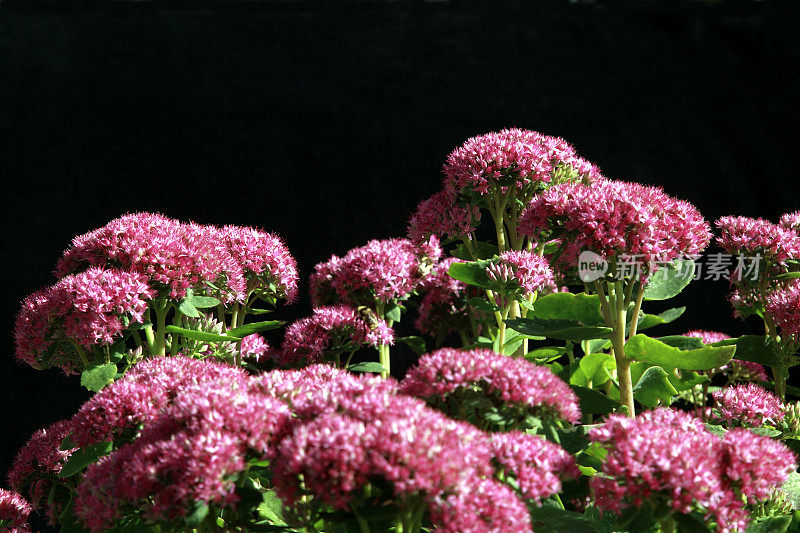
(38, 463)
(441, 217)
(784, 306)
(14, 512)
(256, 348)
(748, 405)
(517, 382)
(524, 269)
(200, 424)
(443, 308)
(338, 328)
(528, 157)
(752, 236)
(378, 271)
(534, 462)
(669, 454)
(791, 221)
(614, 218)
(85, 309)
(745, 369)
(489, 506)
(175, 257)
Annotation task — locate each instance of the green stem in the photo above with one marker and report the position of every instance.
(615, 310)
(159, 348)
(82, 354)
(637, 307)
(384, 355)
(221, 315)
(779, 370)
(176, 320)
(464, 338)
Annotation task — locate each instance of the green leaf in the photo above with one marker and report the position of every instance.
(643, 348)
(669, 281)
(792, 490)
(770, 524)
(753, 348)
(582, 307)
(472, 273)
(417, 344)
(689, 523)
(394, 313)
(483, 250)
(67, 443)
(545, 352)
(368, 366)
(653, 386)
(69, 522)
(483, 304)
(681, 342)
(201, 335)
(598, 367)
(186, 307)
(594, 345)
(594, 402)
(198, 515)
(203, 302)
(84, 457)
(271, 509)
(570, 330)
(787, 275)
(255, 327)
(259, 311)
(686, 380)
(563, 520)
(97, 375)
(670, 315)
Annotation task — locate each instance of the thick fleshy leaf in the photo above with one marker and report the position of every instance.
(96, 376)
(561, 520)
(483, 304)
(643, 348)
(368, 366)
(753, 348)
(417, 344)
(670, 315)
(654, 386)
(483, 250)
(686, 380)
(598, 367)
(770, 524)
(255, 327)
(84, 457)
(584, 308)
(570, 330)
(682, 342)
(271, 509)
(594, 402)
(203, 302)
(669, 281)
(471, 273)
(186, 307)
(546, 352)
(201, 335)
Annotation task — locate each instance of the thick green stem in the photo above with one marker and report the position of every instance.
(384, 355)
(161, 308)
(636, 309)
(176, 320)
(779, 370)
(615, 312)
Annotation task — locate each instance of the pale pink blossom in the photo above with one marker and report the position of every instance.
(756, 236)
(749, 405)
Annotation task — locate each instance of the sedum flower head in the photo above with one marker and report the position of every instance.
(86, 309)
(173, 256)
(791, 221)
(527, 270)
(378, 271)
(14, 512)
(614, 218)
(784, 306)
(481, 506)
(749, 405)
(513, 156)
(268, 266)
(669, 454)
(337, 328)
(443, 308)
(517, 382)
(537, 464)
(753, 236)
(144, 391)
(443, 218)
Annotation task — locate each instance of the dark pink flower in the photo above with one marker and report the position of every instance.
(481, 506)
(525, 269)
(142, 394)
(174, 257)
(708, 337)
(443, 308)
(338, 328)
(756, 236)
(525, 157)
(756, 464)
(378, 271)
(537, 464)
(749, 405)
(784, 306)
(615, 218)
(791, 221)
(256, 348)
(440, 216)
(268, 266)
(517, 382)
(86, 309)
(14, 512)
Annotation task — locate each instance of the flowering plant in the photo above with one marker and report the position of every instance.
(536, 402)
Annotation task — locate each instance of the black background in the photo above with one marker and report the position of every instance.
(328, 122)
